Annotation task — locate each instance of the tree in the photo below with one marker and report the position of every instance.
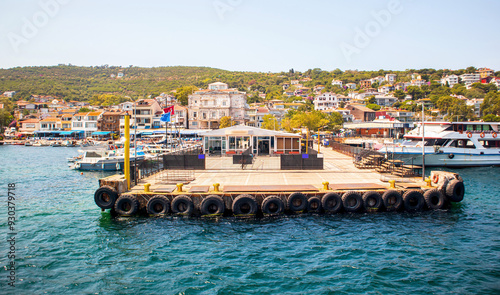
(491, 118)
(182, 93)
(415, 92)
(373, 106)
(491, 104)
(270, 122)
(456, 109)
(335, 121)
(371, 100)
(225, 122)
(286, 124)
(84, 110)
(311, 120)
(400, 94)
(5, 119)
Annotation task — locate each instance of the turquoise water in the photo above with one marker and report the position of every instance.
(65, 245)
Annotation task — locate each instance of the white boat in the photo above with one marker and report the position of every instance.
(450, 144)
(103, 160)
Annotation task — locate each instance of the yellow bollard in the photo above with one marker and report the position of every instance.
(428, 181)
(216, 187)
(326, 185)
(146, 187)
(393, 183)
(179, 187)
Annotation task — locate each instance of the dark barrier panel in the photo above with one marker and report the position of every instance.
(301, 162)
(184, 162)
(242, 159)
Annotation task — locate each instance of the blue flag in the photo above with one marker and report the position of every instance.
(165, 117)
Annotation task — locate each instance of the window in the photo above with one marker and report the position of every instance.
(90, 125)
(194, 114)
(77, 124)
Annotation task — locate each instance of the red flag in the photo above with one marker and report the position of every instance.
(169, 110)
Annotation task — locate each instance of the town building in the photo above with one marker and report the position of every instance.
(256, 116)
(329, 100)
(351, 85)
(469, 79)
(337, 82)
(391, 78)
(496, 81)
(485, 72)
(361, 113)
(147, 113)
(86, 122)
(365, 83)
(207, 107)
(110, 122)
(451, 80)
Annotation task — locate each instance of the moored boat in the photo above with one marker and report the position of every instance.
(449, 144)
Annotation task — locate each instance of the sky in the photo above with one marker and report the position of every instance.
(252, 35)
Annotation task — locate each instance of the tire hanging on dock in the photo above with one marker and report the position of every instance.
(352, 201)
(314, 205)
(158, 205)
(126, 205)
(105, 197)
(434, 199)
(212, 205)
(273, 205)
(245, 205)
(372, 201)
(297, 202)
(392, 200)
(413, 200)
(331, 203)
(182, 205)
(455, 190)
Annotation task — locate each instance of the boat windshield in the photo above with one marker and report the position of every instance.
(435, 141)
(462, 143)
(93, 154)
(490, 143)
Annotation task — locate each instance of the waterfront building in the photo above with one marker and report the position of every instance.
(239, 138)
(147, 113)
(86, 122)
(207, 107)
(361, 112)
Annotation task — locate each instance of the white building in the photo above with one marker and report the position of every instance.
(391, 78)
(496, 81)
(385, 100)
(351, 85)
(86, 122)
(451, 80)
(418, 82)
(378, 79)
(207, 107)
(329, 100)
(470, 79)
(337, 82)
(476, 103)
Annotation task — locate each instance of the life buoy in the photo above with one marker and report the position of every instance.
(111, 147)
(469, 134)
(435, 178)
(494, 135)
(482, 134)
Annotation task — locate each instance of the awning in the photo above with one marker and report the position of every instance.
(101, 133)
(67, 132)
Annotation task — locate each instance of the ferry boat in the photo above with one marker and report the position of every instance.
(450, 144)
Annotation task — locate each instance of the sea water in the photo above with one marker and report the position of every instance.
(65, 245)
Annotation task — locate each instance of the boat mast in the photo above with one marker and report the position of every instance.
(423, 144)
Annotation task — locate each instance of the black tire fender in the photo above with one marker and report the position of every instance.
(314, 205)
(182, 205)
(455, 190)
(244, 205)
(212, 205)
(331, 203)
(297, 202)
(273, 205)
(158, 205)
(105, 197)
(392, 200)
(413, 200)
(434, 199)
(352, 201)
(372, 201)
(126, 205)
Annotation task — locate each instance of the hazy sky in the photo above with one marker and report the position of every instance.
(252, 35)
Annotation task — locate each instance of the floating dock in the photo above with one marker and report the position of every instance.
(222, 191)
